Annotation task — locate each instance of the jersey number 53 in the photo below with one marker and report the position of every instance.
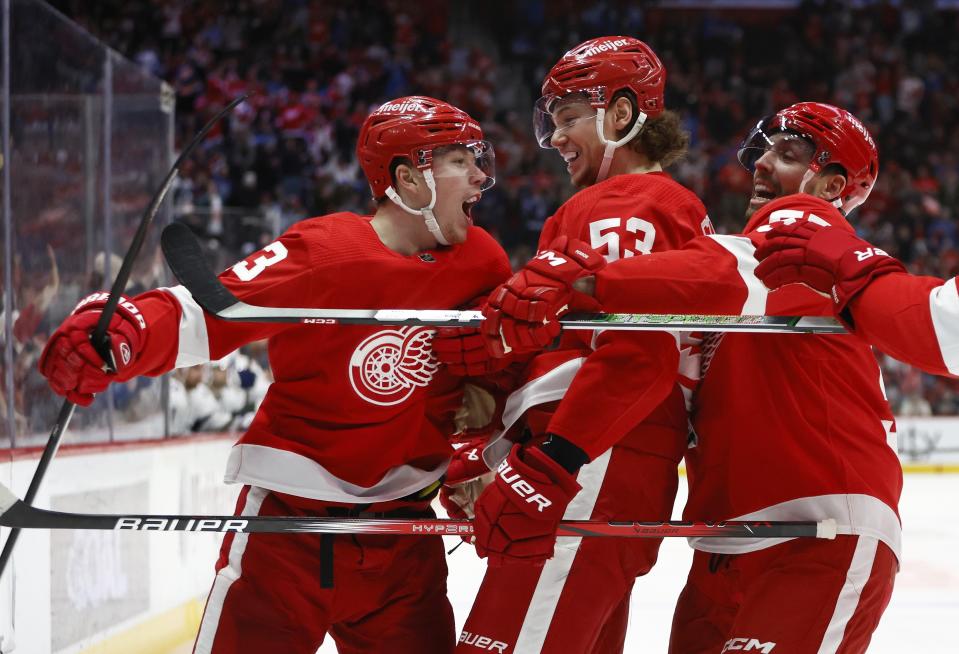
(606, 231)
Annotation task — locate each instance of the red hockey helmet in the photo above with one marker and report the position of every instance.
(837, 137)
(598, 68)
(412, 127)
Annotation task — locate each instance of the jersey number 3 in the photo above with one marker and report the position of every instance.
(273, 253)
(603, 232)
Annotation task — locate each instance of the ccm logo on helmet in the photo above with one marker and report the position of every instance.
(605, 46)
(522, 487)
(400, 107)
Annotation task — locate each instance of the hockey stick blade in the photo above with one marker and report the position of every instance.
(185, 258)
(17, 514)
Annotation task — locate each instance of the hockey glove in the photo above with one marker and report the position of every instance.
(521, 314)
(71, 365)
(518, 514)
(466, 477)
(832, 261)
(463, 350)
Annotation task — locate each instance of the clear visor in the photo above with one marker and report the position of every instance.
(552, 115)
(473, 159)
(790, 147)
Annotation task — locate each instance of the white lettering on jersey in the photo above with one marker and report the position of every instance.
(707, 226)
(788, 217)
(602, 232)
(388, 366)
(277, 253)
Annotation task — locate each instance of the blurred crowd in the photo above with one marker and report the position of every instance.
(317, 68)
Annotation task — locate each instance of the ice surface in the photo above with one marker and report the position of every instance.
(921, 617)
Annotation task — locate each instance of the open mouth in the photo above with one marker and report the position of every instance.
(569, 158)
(469, 204)
(763, 192)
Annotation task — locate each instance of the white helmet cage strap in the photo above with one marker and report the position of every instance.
(544, 125)
(611, 146)
(484, 160)
(427, 211)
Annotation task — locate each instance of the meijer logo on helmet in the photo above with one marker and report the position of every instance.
(400, 107)
(605, 46)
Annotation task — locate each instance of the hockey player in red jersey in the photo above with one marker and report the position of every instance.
(604, 417)
(357, 420)
(787, 427)
(912, 318)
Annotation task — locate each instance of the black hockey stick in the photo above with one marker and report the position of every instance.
(99, 339)
(185, 258)
(20, 515)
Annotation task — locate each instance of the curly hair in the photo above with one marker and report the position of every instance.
(663, 139)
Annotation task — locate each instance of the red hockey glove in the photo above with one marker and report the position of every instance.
(466, 478)
(518, 514)
(463, 350)
(69, 362)
(830, 260)
(522, 314)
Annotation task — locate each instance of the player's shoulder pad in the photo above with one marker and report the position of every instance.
(799, 206)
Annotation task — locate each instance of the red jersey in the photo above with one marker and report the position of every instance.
(788, 426)
(914, 319)
(356, 413)
(610, 381)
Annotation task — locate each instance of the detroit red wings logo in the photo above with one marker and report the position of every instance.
(388, 366)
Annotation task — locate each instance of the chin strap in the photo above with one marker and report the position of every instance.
(427, 211)
(612, 145)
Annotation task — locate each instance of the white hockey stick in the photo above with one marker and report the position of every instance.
(185, 258)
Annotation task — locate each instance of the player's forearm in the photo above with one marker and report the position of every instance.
(180, 334)
(671, 282)
(914, 319)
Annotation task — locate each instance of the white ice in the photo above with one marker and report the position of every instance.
(923, 615)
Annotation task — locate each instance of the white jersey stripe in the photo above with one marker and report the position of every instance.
(226, 576)
(861, 515)
(552, 579)
(193, 346)
(860, 568)
(944, 309)
(549, 387)
(294, 474)
(742, 248)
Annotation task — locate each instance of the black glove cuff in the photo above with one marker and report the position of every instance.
(565, 453)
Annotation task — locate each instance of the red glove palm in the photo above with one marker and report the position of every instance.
(69, 362)
(466, 477)
(830, 260)
(521, 315)
(463, 350)
(518, 514)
